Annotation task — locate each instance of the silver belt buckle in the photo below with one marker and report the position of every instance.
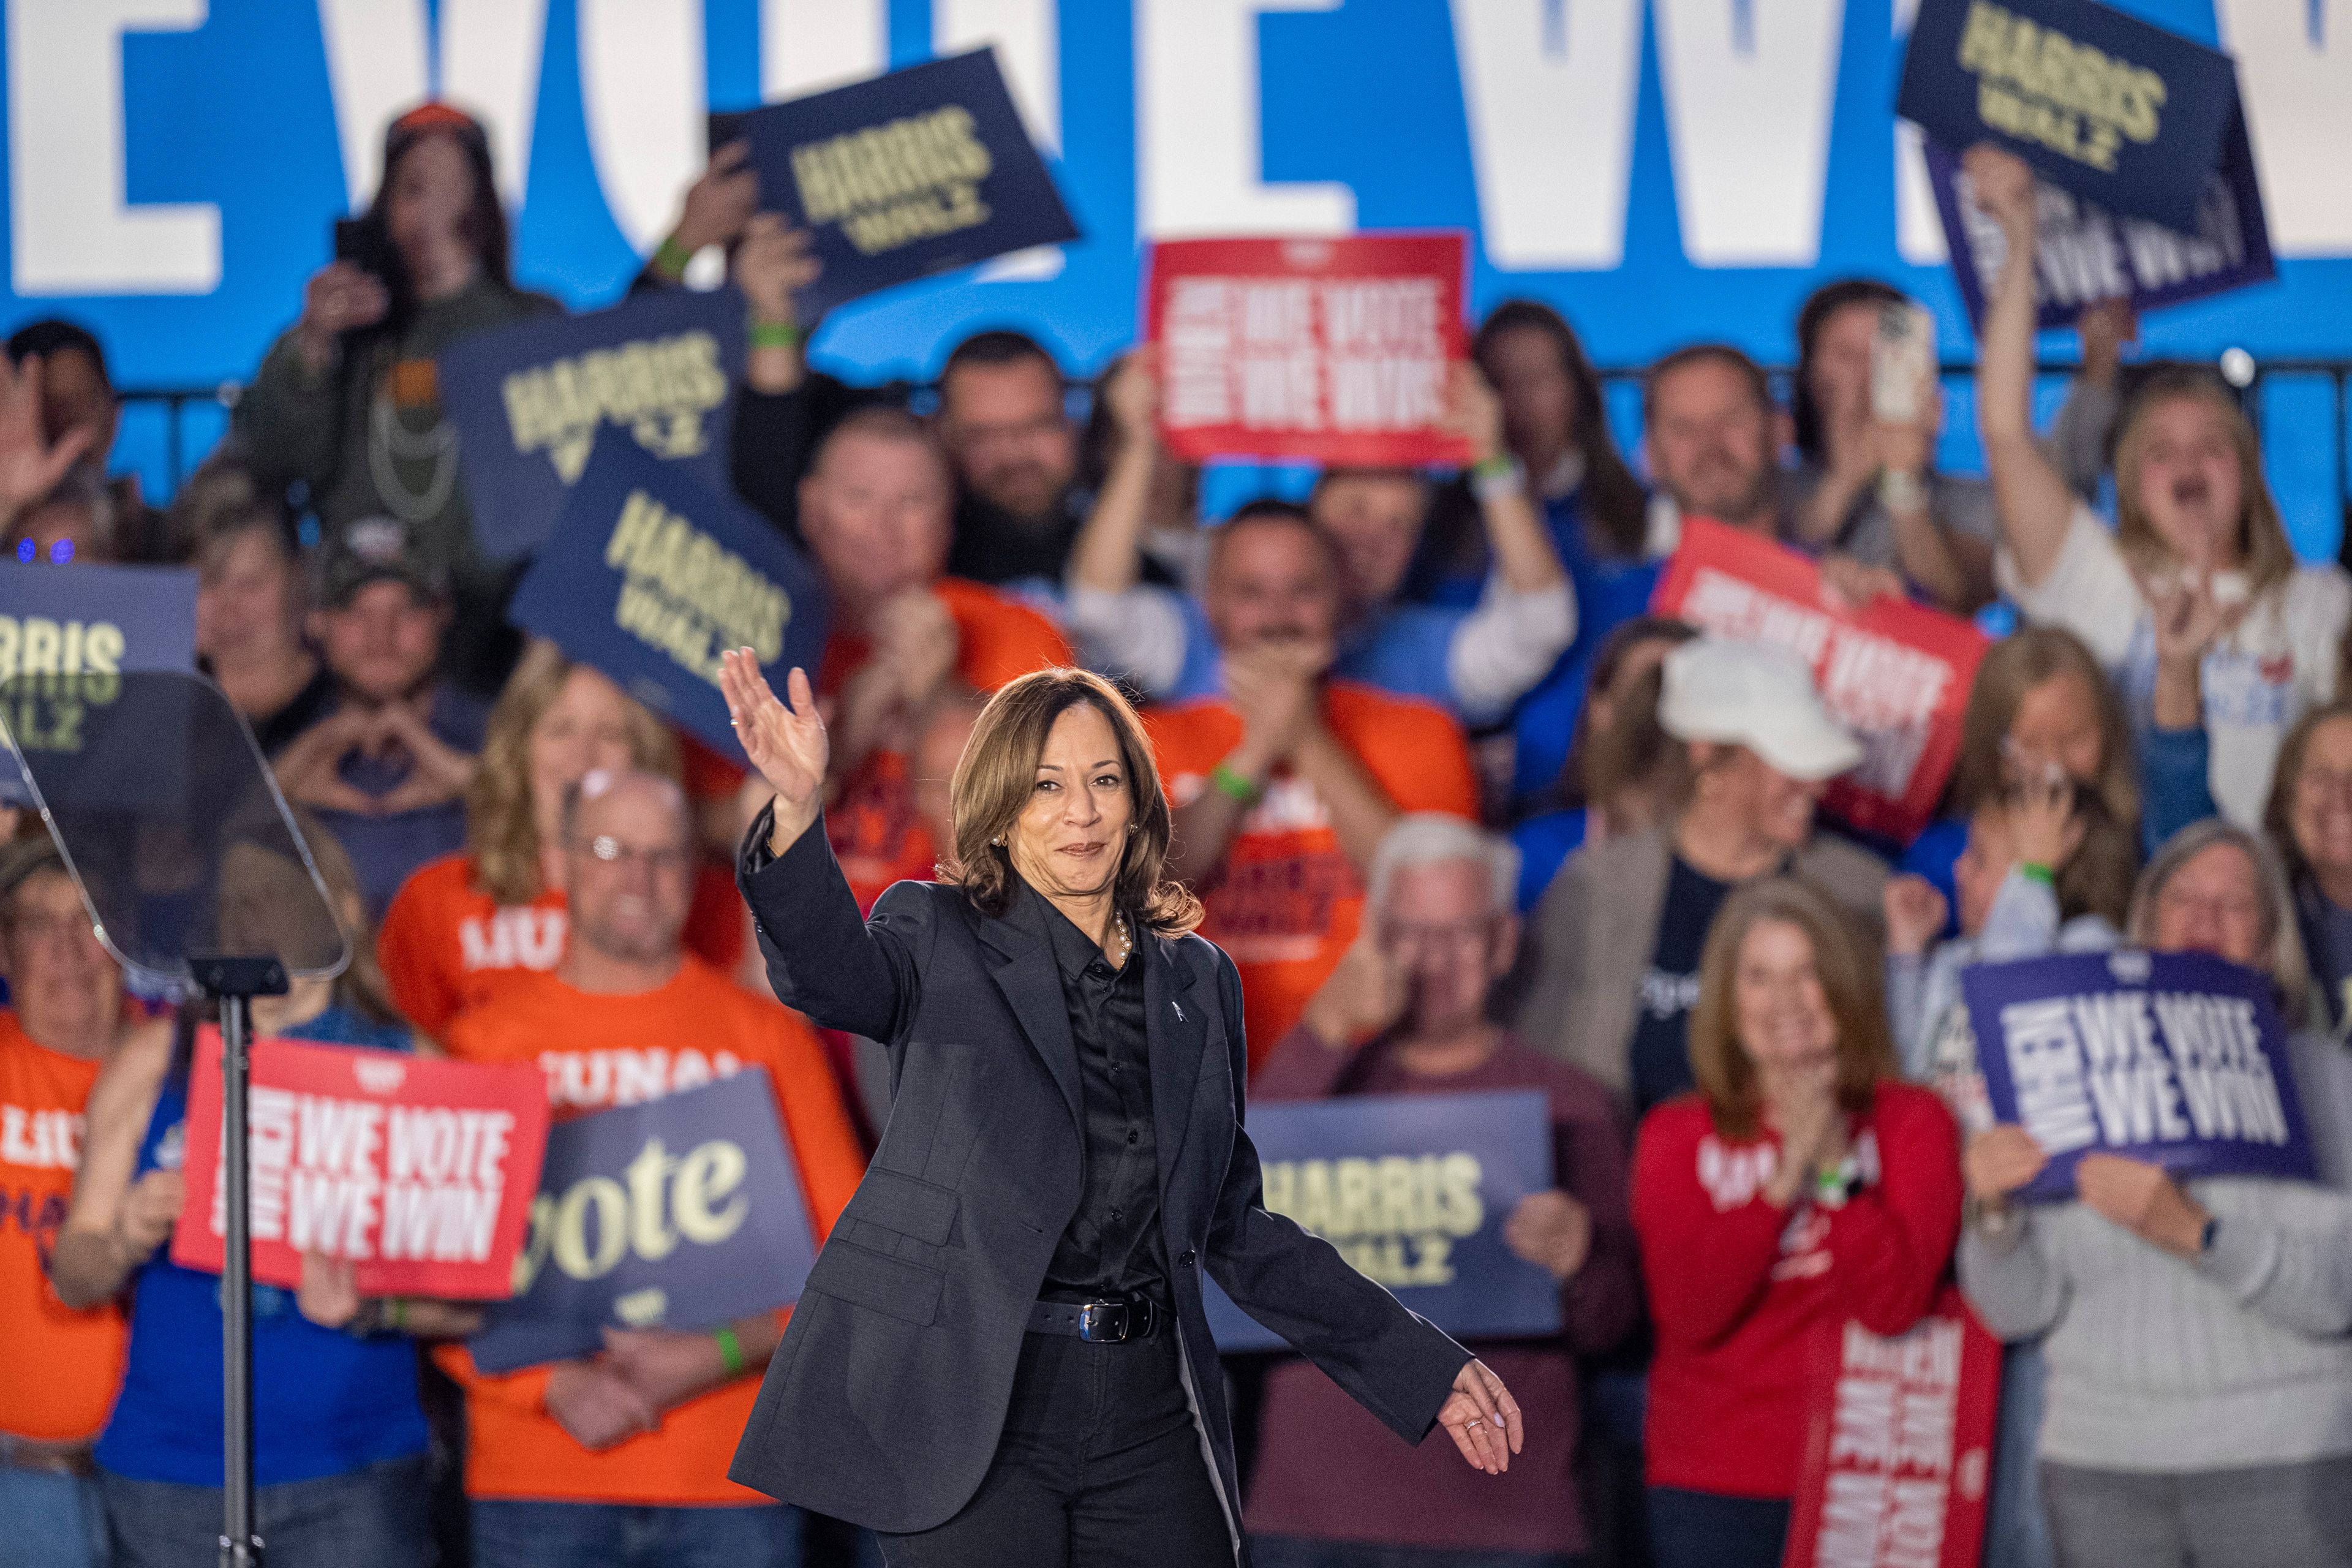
(1112, 1317)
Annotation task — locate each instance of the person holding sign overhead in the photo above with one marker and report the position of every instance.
(2199, 1338)
(1803, 1185)
(1003, 1357)
(2196, 535)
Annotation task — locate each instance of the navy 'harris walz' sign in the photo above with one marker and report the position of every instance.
(921, 170)
(682, 1213)
(1414, 1190)
(2176, 1058)
(2124, 114)
(529, 400)
(651, 575)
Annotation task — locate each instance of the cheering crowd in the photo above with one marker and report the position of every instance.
(1467, 816)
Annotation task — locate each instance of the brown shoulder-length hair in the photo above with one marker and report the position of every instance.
(998, 773)
(1850, 984)
(502, 820)
(2264, 551)
(267, 904)
(2278, 814)
(2098, 878)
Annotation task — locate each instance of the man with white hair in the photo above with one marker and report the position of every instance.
(1405, 1013)
(621, 1458)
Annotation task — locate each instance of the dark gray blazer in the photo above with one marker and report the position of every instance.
(884, 1401)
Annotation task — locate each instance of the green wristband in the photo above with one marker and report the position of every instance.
(2033, 872)
(774, 335)
(670, 258)
(730, 1348)
(1230, 783)
(1501, 466)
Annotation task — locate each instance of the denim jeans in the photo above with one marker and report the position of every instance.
(2017, 1529)
(1291, 1552)
(509, 1533)
(50, 1520)
(378, 1517)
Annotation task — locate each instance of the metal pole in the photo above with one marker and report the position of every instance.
(240, 1544)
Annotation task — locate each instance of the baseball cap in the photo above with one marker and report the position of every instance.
(25, 858)
(1759, 696)
(377, 549)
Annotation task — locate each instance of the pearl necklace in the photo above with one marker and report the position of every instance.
(1125, 939)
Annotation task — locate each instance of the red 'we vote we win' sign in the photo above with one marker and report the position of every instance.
(420, 1171)
(1326, 351)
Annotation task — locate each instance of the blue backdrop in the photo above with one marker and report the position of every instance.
(233, 105)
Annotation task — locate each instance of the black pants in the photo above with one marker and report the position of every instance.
(1099, 1467)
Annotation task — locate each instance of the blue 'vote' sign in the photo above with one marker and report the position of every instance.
(651, 575)
(2124, 114)
(1414, 1190)
(529, 400)
(682, 1213)
(2176, 1058)
(921, 170)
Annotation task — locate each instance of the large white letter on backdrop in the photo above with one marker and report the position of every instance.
(647, 102)
(1919, 230)
(2294, 73)
(807, 46)
(1548, 89)
(1200, 167)
(380, 63)
(1026, 35)
(1750, 85)
(72, 228)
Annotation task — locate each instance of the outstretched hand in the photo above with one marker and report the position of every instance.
(1483, 1419)
(786, 745)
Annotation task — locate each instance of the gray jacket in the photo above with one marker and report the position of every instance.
(1591, 938)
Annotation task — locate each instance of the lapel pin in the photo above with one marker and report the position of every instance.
(1180, 1010)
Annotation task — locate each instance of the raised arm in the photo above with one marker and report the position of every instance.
(115, 1224)
(1527, 617)
(823, 959)
(2034, 501)
(1120, 625)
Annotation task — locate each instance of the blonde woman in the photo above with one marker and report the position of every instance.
(463, 922)
(2195, 603)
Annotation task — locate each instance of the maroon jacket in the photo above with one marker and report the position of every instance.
(1326, 1471)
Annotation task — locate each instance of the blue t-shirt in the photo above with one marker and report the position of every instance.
(1406, 651)
(1609, 590)
(324, 1403)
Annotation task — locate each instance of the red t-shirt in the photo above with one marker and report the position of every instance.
(1286, 902)
(1737, 1288)
(876, 832)
(599, 1052)
(65, 1366)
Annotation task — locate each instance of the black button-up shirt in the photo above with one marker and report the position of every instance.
(1113, 1246)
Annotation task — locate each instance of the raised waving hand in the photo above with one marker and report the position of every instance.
(786, 744)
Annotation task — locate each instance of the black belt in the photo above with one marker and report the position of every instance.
(1100, 1323)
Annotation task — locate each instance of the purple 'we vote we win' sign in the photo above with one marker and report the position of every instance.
(2176, 1058)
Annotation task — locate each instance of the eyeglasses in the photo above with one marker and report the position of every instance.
(663, 862)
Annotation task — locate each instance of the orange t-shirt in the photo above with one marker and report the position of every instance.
(1286, 902)
(876, 833)
(446, 945)
(80, 1354)
(598, 1051)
